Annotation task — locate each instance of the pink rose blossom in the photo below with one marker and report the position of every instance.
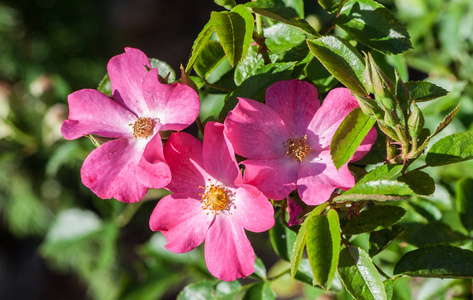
(127, 166)
(287, 141)
(211, 203)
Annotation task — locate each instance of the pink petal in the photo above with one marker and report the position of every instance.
(255, 130)
(91, 112)
(218, 155)
(228, 252)
(296, 103)
(176, 105)
(275, 178)
(336, 106)
(252, 210)
(318, 178)
(294, 211)
(365, 146)
(126, 73)
(183, 153)
(156, 173)
(111, 171)
(182, 220)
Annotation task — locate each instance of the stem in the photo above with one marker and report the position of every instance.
(218, 87)
(382, 272)
(419, 168)
(390, 149)
(199, 124)
(126, 215)
(279, 275)
(259, 38)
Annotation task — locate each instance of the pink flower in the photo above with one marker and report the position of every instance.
(127, 166)
(287, 141)
(211, 203)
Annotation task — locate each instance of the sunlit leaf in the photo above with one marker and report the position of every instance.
(199, 43)
(424, 91)
(451, 149)
(419, 182)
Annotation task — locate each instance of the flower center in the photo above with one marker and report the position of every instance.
(215, 199)
(297, 147)
(142, 128)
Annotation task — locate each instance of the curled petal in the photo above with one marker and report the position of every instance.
(111, 171)
(256, 130)
(156, 173)
(228, 252)
(183, 153)
(296, 103)
(126, 72)
(91, 112)
(218, 155)
(275, 178)
(318, 178)
(336, 106)
(182, 220)
(176, 105)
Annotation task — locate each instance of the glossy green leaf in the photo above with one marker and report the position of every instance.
(421, 91)
(441, 126)
(342, 60)
(297, 5)
(304, 272)
(164, 69)
(260, 291)
(197, 291)
(420, 182)
(378, 185)
(199, 43)
(464, 197)
(248, 66)
(276, 9)
(359, 275)
(349, 136)
(227, 290)
(210, 58)
(374, 218)
(331, 5)
(104, 86)
(320, 77)
(374, 25)
(381, 239)
(228, 4)
(234, 30)
(438, 262)
(281, 38)
(254, 87)
(301, 238)
(389, 288)
(451, 149)
(282, 238)
(323, 246)
(260, 269)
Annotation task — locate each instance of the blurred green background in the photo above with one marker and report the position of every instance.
(59, 241)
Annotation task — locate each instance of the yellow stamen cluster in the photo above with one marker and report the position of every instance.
(142, 128)
(297, 147)
(215, 199)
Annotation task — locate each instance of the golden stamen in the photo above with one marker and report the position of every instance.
(297, 147)
(142, 128)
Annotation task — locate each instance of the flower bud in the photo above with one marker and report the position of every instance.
(415, 123)
(377, 82)
(369, 106)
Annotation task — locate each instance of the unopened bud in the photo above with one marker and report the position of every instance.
(415, 123)
(377, 82)
(369, 106)
(402, 94)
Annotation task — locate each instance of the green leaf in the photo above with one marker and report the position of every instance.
(164, 69)
(421, 91)
(282, 238)
(331, 5)
(260, 291)
(342, 60)
(320, 77)
(374, 218)
(104, 86)
(464, 197)
(374, 25)
(281, 38)
(389, 288)
(249, 65)
(420, 182)
(441, 126)
(197, 291)
(234, 30)
(304, 272)
(199, 43)
(260, 269)
(431, 234)
(323, 246)
(228, 4)
(381, 239)
(378, 185)
(349, 136)
(255, 86)
(438, 262)
(451, 149)
(227, 290)
(276, 10)
(301, 239)
(210, 58)
(359, 275)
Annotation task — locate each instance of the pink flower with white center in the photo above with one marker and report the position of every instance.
(211, 203)
(127, 166)
(287, 141)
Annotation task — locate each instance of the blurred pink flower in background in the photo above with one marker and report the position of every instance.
(127, 166)
(211, 203)
(287, 141)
